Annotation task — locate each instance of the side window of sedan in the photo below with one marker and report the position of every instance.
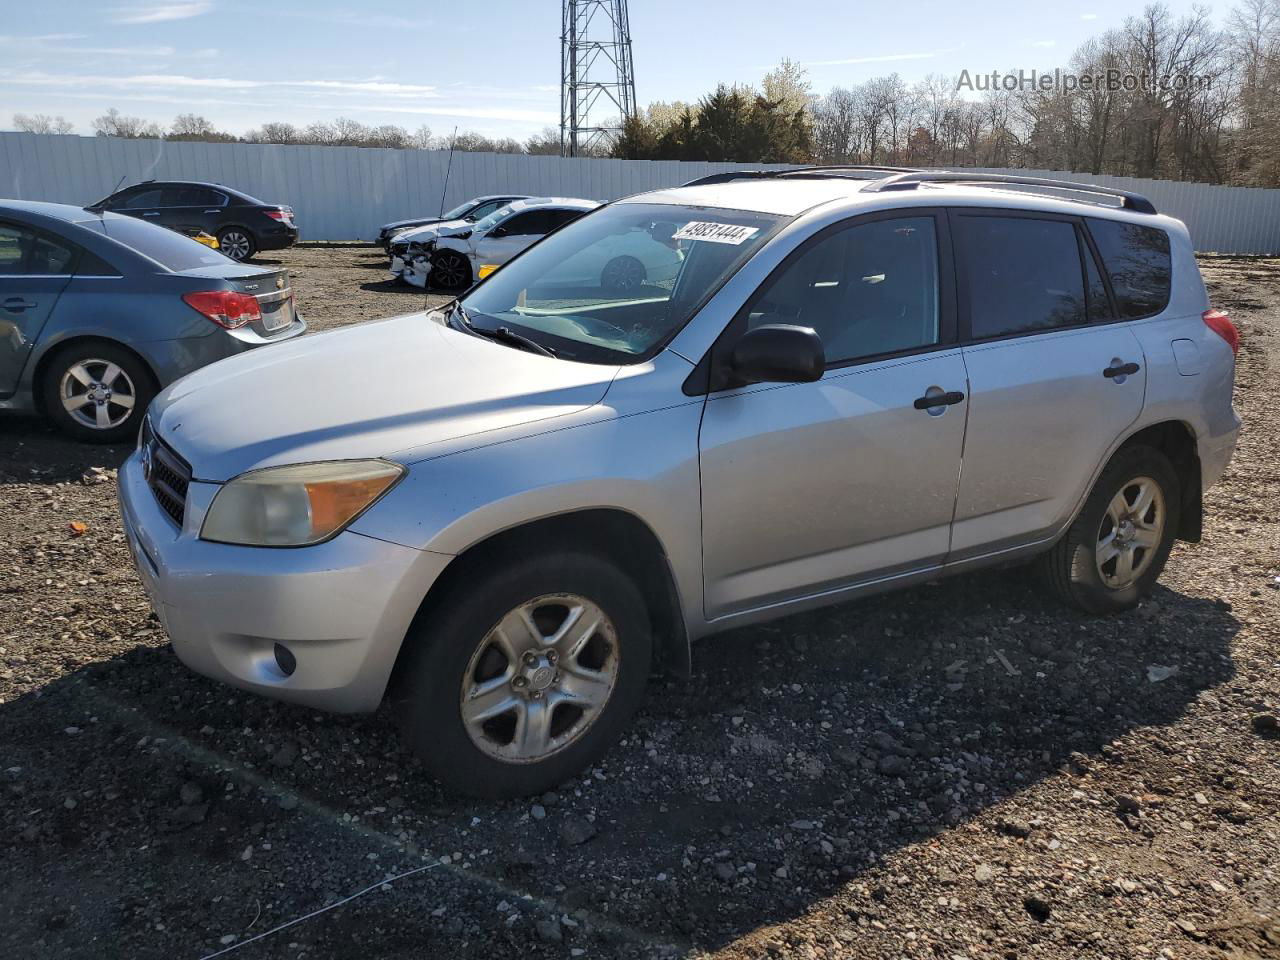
(523, 224)
(868, 290)
(143, 199)
(24, 252)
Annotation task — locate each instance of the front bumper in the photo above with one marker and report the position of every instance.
(341, 608)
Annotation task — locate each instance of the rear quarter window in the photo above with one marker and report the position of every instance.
(1138, 262)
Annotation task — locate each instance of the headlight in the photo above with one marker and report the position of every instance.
(296, 505)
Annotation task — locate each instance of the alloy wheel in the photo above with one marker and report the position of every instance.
(540, 678)
(1130, 532)
(235, 245)
(449, 270)
(97, 394)
(622, 274)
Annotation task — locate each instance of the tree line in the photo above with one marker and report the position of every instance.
(342, 132)
(1217, 119)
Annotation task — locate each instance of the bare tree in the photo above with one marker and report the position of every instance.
(41, 123)
(115, 124)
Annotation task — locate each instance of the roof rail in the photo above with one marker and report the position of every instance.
(909, 181)
(832, 170)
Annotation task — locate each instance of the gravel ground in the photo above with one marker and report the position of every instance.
(963, 770)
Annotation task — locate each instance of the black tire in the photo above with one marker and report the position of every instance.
(94, 356)
(450, 270)
(237, 243)
(622, 274)
(1071, 569)
(430, 680)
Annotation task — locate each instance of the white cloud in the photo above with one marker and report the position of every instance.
(1044, 43)
(60, 43)
(1088, 16)
(160, 12)
(886, 58)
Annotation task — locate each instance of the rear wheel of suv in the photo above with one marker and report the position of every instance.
(1118, 545)
(96, 391)
(527, 675)
(450, 270)
(237, 243)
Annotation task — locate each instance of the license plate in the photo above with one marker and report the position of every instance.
(280, 317)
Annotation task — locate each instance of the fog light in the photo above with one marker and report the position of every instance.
(285, 660)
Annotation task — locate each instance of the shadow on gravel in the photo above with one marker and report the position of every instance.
(35, 452)
(395, 286)
(798, 754)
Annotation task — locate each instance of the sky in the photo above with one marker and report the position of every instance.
(491, 66)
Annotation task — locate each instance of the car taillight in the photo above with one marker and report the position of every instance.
(226, 308)
(1221, 324)
(283, 214)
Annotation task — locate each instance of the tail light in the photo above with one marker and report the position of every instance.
(283, 214)
(1221, 324)
(226, 308)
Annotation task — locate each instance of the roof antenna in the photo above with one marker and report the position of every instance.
(452, 142)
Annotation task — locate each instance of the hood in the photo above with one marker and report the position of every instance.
(371, 390)
(443, 228)
(402, 224)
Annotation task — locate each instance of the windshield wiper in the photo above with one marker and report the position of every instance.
(510, 336)
(501, 334)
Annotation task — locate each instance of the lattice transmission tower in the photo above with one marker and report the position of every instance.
(597, 77)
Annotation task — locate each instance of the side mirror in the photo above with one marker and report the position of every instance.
(778, 353)
(498, 232)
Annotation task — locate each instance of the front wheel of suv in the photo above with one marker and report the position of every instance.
(527, 676)
(1117, 547)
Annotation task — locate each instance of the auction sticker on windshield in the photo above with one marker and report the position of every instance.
(715, 232)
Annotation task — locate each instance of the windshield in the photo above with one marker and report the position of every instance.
(171, 250)
(616, 284)
(487, 224)
(457, 212)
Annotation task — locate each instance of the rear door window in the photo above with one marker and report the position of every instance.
(193, 197)
(1023, 274)
(1137, 259)
(23, 252)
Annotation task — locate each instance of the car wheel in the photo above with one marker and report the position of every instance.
(1118, 545)
(450, 270)
(97, 392)
(528, 674)
(237, 243)
(622, 274)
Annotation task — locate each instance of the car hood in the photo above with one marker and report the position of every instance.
(445, 228)
(402, 224)
(379, 389)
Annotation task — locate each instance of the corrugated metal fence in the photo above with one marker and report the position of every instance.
(346, 193)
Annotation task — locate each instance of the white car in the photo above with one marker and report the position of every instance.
(455, 257)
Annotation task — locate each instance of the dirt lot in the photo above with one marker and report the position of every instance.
(961, 770)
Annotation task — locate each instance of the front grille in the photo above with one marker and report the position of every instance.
(167, 474)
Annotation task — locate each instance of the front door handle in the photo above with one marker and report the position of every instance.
(1120, 370)
(939, 400)
(213, 211)
(17, 304)
(152, 213)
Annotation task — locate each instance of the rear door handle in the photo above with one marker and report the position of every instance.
(1120, 370)
(939, 400)
(152, 213)
(17, 304)
(213, 211)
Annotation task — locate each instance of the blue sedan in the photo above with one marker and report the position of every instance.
(99, 311)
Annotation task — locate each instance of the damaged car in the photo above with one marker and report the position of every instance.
(455, 256)
(477, 208)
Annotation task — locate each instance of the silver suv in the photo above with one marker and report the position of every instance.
(501, 515)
